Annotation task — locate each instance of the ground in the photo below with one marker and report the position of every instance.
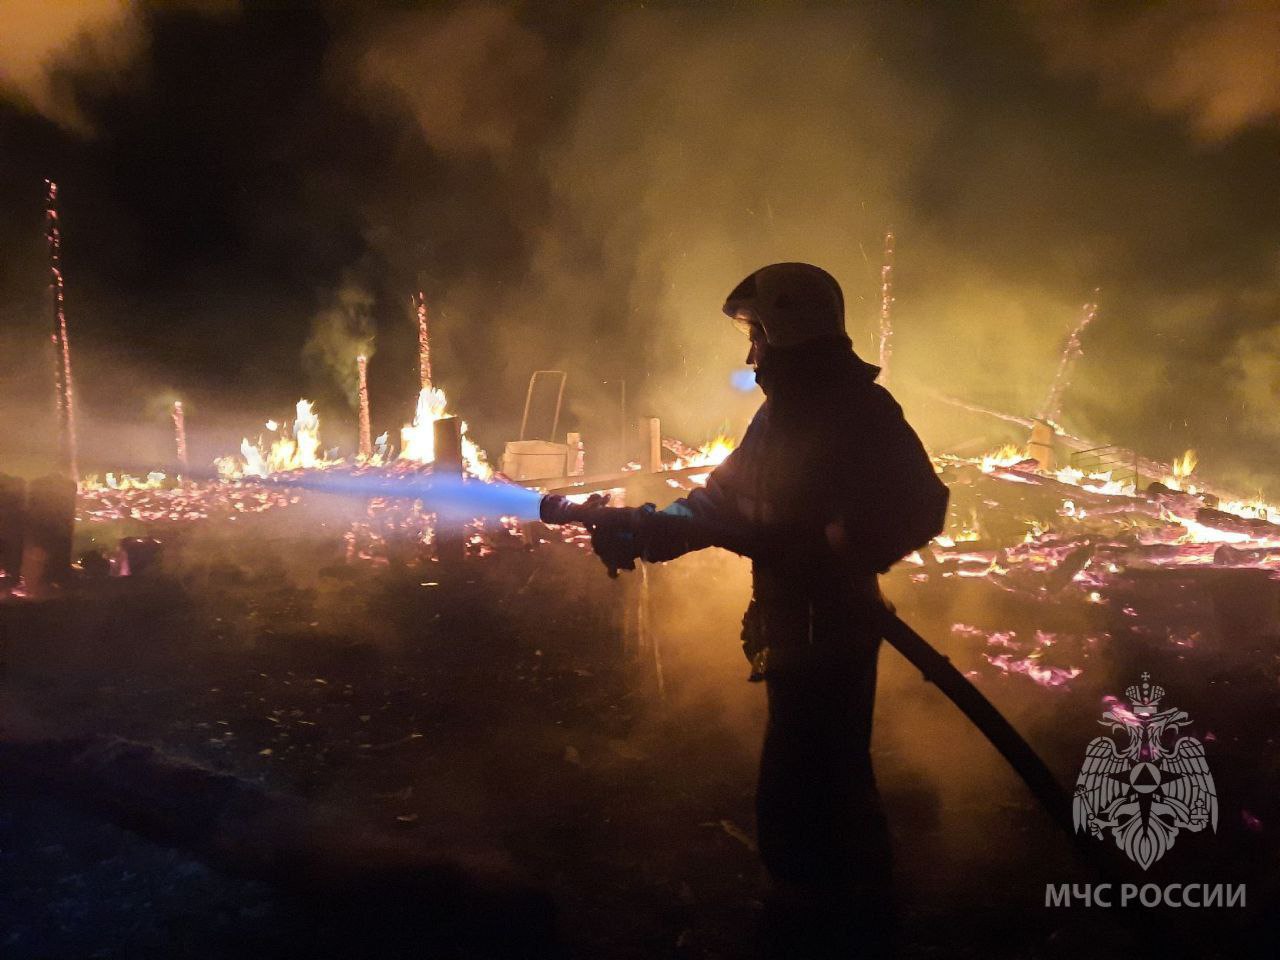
(551, 730)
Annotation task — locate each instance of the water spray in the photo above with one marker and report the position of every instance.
(457, 498)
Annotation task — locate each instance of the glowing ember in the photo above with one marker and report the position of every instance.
(155, 500)
(1045, 676)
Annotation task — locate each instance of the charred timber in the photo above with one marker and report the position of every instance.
(48, 530)
(13, 503)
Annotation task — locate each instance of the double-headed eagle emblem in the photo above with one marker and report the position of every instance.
(1145, 792)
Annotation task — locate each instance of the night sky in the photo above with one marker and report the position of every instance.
(252, 191)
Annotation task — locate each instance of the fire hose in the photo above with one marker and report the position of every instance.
(935, 668)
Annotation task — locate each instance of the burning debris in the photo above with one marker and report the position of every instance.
(1161, 561)
(157, 502)
(1097, 533)
(296, 449)
(417, 440)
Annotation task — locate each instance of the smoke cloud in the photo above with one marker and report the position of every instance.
(1214, 63)
(46, 47)
(340, 333)
(579, 193)
(52, 55)
(471, 76)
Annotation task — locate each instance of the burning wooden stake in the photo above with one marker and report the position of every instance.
(886, 309)
(61, 345)
(424, 342)
(366, 435)
(1071, 351)
(180, 437)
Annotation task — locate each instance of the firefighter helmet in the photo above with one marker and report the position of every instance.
(792, 302)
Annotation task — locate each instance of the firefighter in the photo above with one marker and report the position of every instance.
(829, 487)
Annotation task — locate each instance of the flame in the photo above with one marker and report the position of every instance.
(1097, 482)
(1005, 456)
(123, 481)
(711, 454)
(1251, 509)
(1181, 469)
(418, 440)
(1199, 533)
(301, 451)
(1183, 466)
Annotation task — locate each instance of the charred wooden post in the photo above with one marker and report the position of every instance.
(13, 503)
(47, 532)
(577, 465)
(1040, 445)
(652, 461)
(450, 539)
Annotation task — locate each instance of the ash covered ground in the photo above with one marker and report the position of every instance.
(585, 743)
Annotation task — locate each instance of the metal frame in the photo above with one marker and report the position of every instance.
(528, 399)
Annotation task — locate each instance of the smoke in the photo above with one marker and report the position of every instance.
(1215, 64)
(55, 55)
(471, 77)
(579, 193)
(1255, 367)
(341, 332)
(46, 49)
(680, 157)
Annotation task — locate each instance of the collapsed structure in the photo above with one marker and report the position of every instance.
(1107, 528)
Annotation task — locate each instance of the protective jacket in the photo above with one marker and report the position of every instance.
(829, 487)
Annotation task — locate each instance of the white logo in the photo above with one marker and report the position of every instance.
(1145, 792)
